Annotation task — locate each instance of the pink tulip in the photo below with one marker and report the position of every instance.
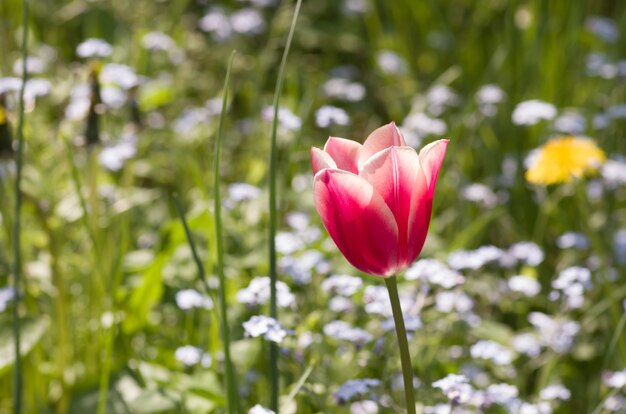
(375, 199)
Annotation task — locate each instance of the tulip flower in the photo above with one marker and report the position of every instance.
(375, 199)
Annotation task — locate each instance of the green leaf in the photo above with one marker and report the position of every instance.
(153, 402)
(145, 296)
(31, 332)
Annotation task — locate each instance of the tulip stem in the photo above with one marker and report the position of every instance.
(405, 356)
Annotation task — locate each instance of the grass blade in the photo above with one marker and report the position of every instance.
(231, 382)
(17, 257)
(273, 371)
(194, 250)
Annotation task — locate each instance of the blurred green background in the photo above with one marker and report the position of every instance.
(99, 309)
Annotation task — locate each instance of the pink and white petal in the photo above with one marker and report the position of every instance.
(419, 219)
(345, 152)
(321, 160)
(393, 173)
(383, 137)
(358, 220)
(431, 158)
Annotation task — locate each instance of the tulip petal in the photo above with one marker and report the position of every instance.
(383, 137)
(419, 218)
(394, 172)
(358, 220)
(345, 152)
(321, 160)
(431, 157)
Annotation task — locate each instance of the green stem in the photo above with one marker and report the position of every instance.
(403, 344)
(273, 371)
(231, 384)
(194, 251)
(17, 263)
(109, 339)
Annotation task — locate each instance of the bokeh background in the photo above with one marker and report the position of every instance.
(520, 288)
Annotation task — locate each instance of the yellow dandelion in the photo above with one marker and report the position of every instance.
(564, 158)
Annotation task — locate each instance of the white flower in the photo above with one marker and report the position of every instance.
(503, 394)
(355, 6)
(355, 387)
(344, 285)
(300, 267)
(615, 403)
(343, 331)
(490, 95)
(474, 259)
(258, 409)
(533, 111)
(614, 379)
(113, 157)
(189, 355)
(121, 75)
(614, 172)
(439, 97)
(455, 387)
(258, 293)
(526, 344)
(492, 351)
(555, 392)
(435, 272)
(158, 41)
(423, 125)
(188, 299)
(34, 64)
(331, 115)
(556, 334)
(524, 284)
(570, 123)
(286, 119)
(288, 242)
(389, 62)
(247, 21)
(10, 84)
(239, 192)
(94, 48)
(364, 407)
(602, 27)
(264, 325)
(340, 304)
(448, 301)
(527, 252)
(571, 240)
(36, 87)
(481, 194)
(217, 24)
(344, 89)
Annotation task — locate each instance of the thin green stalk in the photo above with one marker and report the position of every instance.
(17, 259)
(192, 246)
(273, 371)
(403, 344)
(105, 373)
(83, 203)
(231, 382)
